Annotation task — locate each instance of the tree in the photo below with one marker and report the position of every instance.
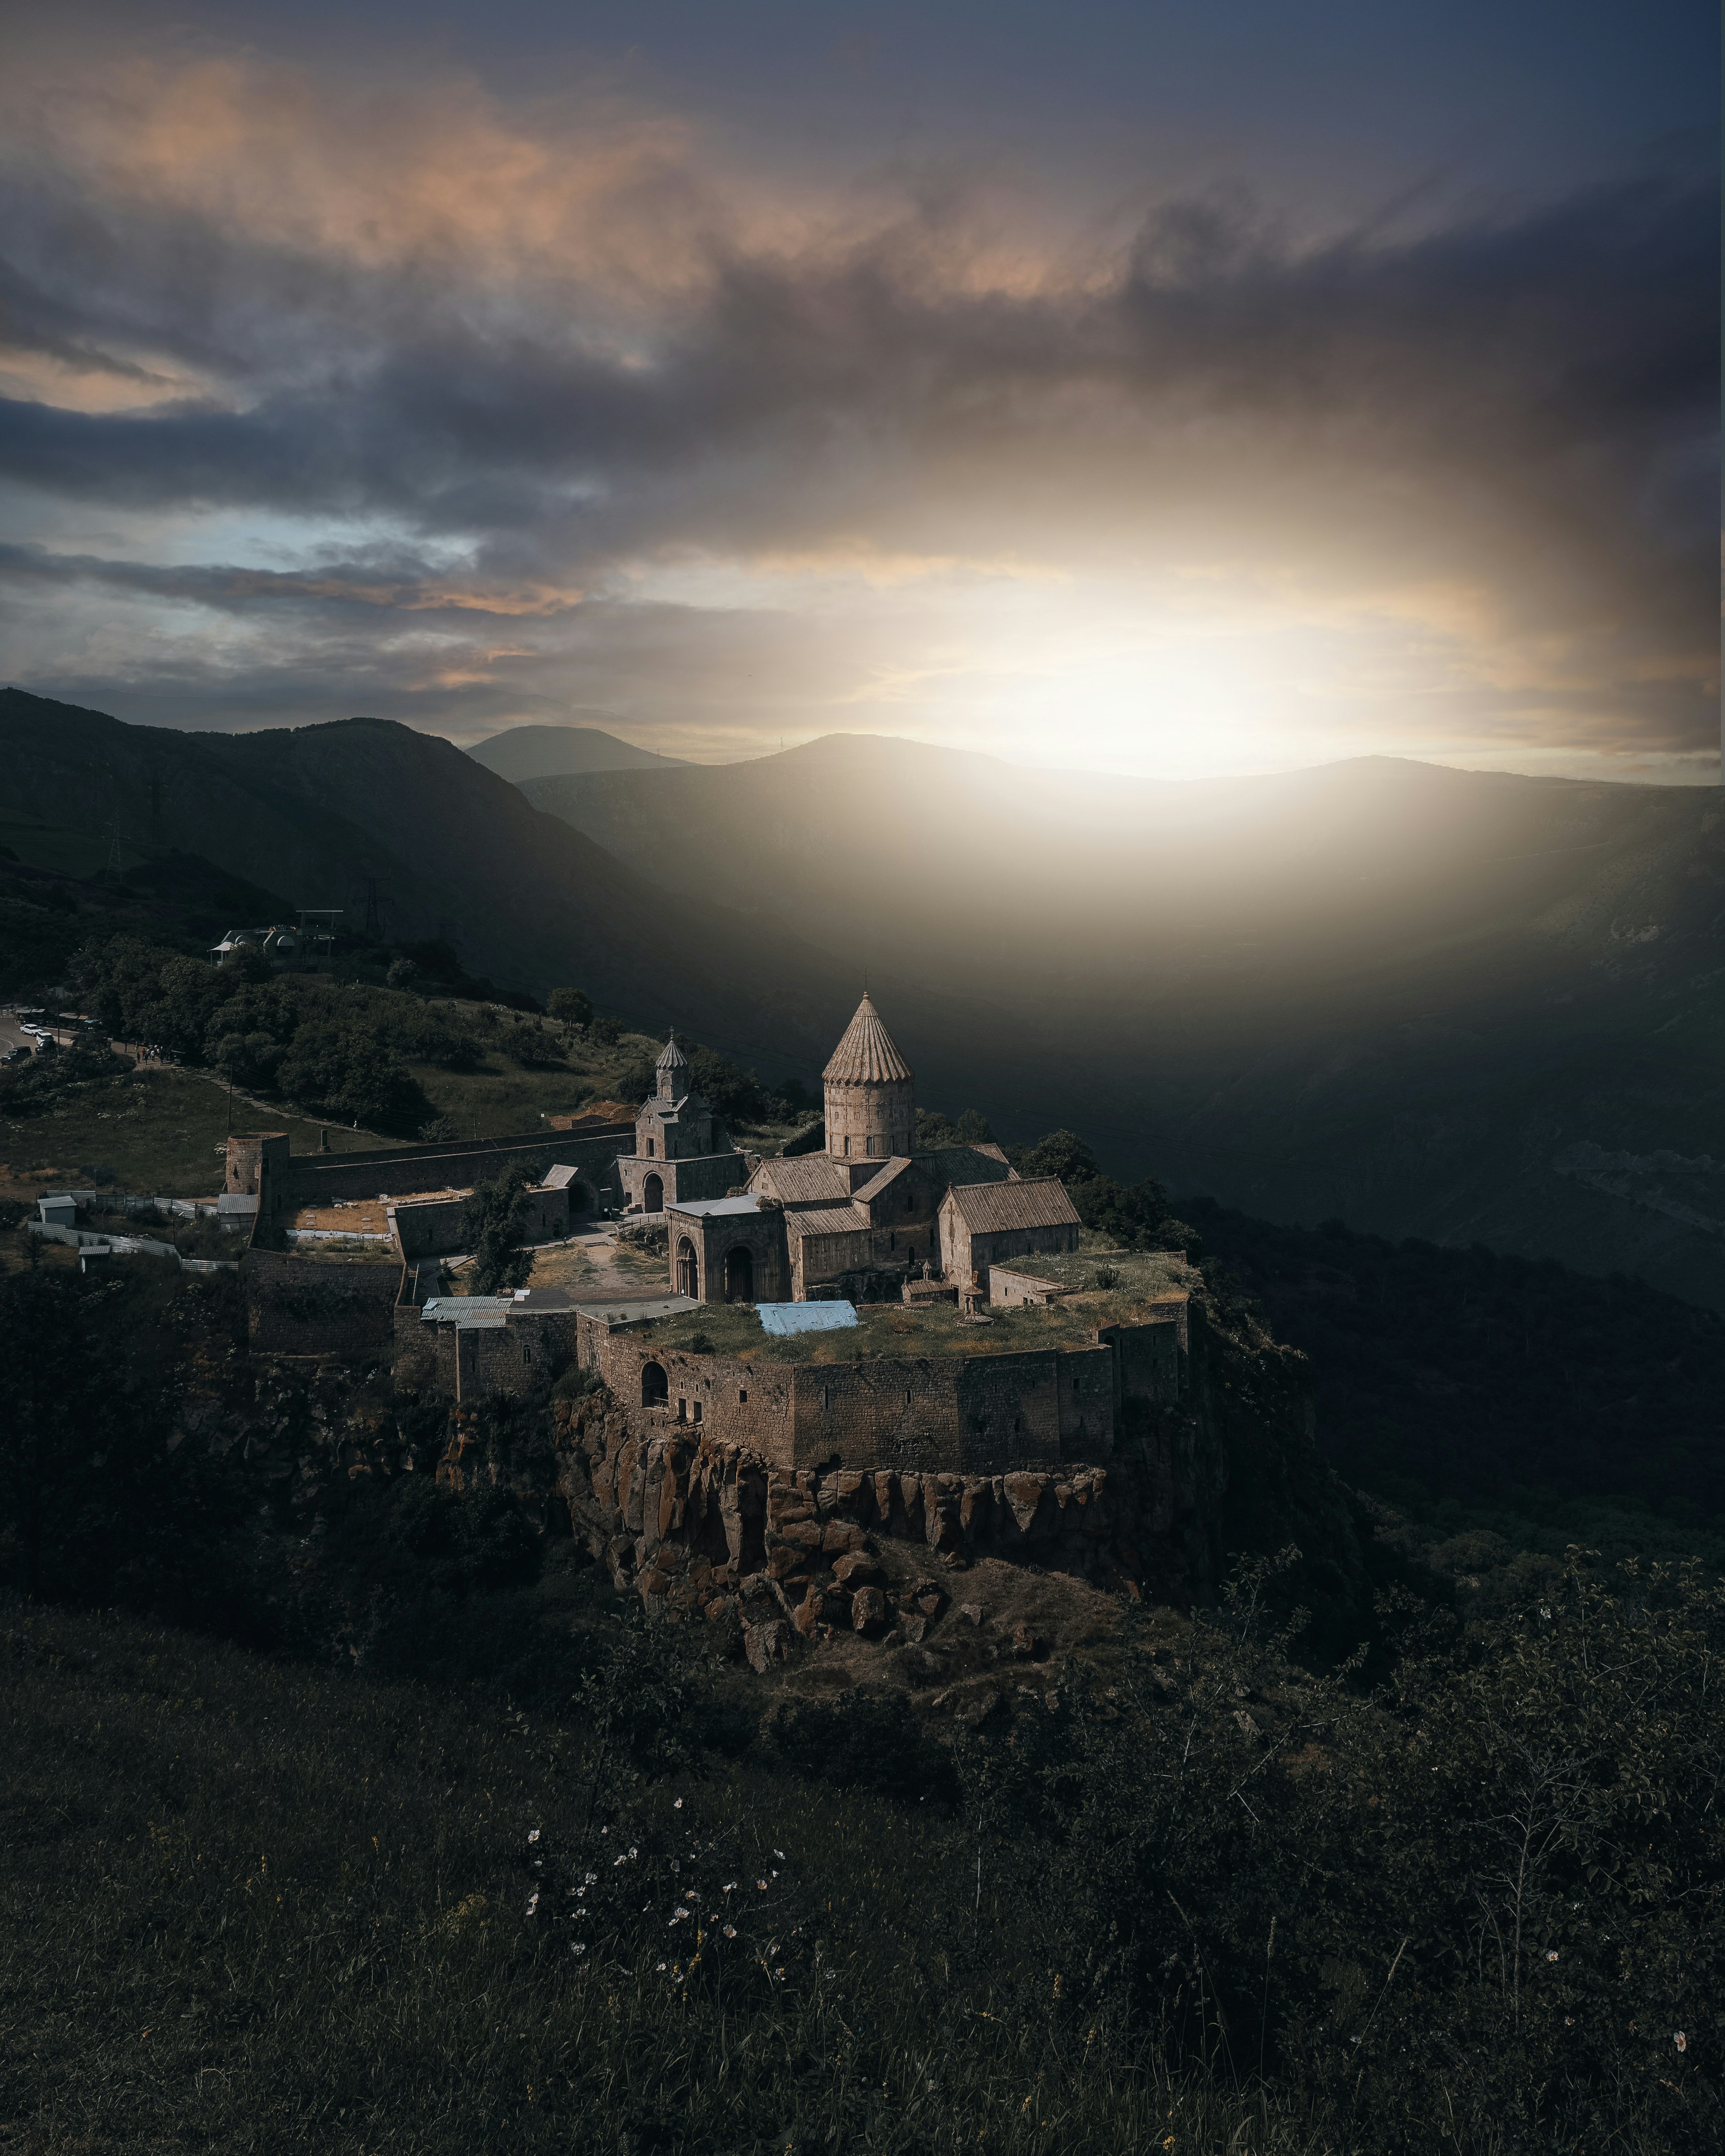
(571, 1006)
(496, 1213)
(347, 1073)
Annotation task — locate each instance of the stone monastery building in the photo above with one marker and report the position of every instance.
(869, 1218)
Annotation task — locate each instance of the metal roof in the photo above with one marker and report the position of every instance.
(707, 1209)
(786, 1319)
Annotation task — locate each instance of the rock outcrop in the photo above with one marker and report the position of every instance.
(704, 1529)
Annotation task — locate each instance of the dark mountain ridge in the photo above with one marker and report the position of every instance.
(315, 812)
(520, 753)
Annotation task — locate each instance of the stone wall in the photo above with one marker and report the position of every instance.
(303, 1306)
(323, 1178)
(427, 1226)
(974, 1414)
(469, 1363)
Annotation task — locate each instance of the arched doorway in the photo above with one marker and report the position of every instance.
(580, 1198)
(739, 1277)
(654, 1390)
(653, 1194)
(688, 1271)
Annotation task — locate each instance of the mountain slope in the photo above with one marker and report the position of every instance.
(1464, 1005)
(523, 753)
(316, 812)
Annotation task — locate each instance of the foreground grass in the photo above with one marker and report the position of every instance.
(251, 1907)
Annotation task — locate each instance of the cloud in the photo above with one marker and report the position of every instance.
(563, 354)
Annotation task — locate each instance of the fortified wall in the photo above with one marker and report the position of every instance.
(259, 1164)
(975, 1414)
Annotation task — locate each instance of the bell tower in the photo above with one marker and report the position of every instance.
(870, 1093)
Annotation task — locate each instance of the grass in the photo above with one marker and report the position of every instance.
(934, 1329)
(251, 1907)
(160, 1133)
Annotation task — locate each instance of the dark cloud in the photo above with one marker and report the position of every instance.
(1524, 403)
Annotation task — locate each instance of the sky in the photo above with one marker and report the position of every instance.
(1133, 387)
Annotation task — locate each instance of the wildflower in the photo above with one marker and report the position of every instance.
(616, 1861)
(581, 1893)
(579, 1947)
(779, 1854)
(682, 1912)
(590, 1877)
(762, 1884)
(635, 1852)
(731, 1934)
(1681, 2041)
(661, 1968)
(533, 1902)
(1551, 1956)
(534, 1834)
(730, 1886)
(677, 1806)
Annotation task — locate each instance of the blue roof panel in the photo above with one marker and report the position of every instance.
(786, 1318)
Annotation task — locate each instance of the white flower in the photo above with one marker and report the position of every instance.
(590, 1877)
(1551, 1956)
(616, 1861)
(762, 1884)
(661, 1968)
(677, 1806)
(731, 1934)
(779, 1854)
(533, 1904)
(534, 1835)
(682, 1912)
(731, 1886)
(581, 1893)
(635, 1852)
(579, 1947)
(1681, 2041)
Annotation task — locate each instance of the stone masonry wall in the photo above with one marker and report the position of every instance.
(979, 1413)
(317, 1178)
(303, 1306)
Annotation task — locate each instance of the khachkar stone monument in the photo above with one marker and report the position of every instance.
(870, 1093)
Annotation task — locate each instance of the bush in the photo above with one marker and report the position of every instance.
(570, 1006)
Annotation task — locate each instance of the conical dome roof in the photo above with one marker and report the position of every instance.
(672, 1057)
(866, 1056)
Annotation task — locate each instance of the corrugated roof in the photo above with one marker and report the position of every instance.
(866, 1056)
(826, 1220)
(987, 1207)
(672, 1057)
(808, 1179)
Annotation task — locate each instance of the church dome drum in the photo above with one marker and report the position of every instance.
(870, 1093)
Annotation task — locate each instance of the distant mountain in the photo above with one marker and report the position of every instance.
(563, 752)
(1455, 1004)
(322, 814)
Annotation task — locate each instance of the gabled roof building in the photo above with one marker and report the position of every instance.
(870, 1213)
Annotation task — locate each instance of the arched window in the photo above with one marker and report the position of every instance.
(655, 1389)
(653, 1194)
(688, 1271)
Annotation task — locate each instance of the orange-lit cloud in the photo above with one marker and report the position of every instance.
(733, 457)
